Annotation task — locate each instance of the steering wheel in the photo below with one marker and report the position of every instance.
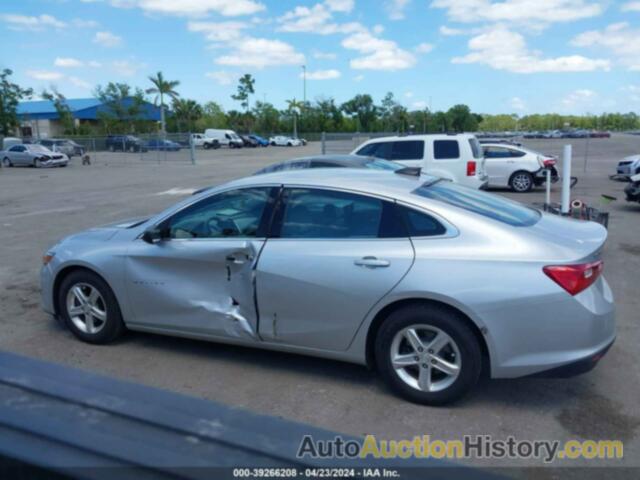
(223, 227)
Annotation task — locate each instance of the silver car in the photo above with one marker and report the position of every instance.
(32, 156)
(428, 281)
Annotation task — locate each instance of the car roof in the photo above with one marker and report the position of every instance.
(430, 136)
(335, 159)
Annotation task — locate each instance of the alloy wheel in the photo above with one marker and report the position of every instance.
(425, 358)
(521, 182)
(86, 308)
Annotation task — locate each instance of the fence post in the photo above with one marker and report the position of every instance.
(95, 151)
(323, 138)
(192, 149)
(566, 180)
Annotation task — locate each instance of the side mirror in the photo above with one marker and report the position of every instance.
(152, 235)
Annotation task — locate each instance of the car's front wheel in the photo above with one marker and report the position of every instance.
(37, 163)
(427, 354)
(89, 308)
(521, 182)
(6, 162)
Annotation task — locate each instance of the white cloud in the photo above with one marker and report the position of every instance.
(32, 23)
(408, 94)
(396, 8)
(222, 77)
(218, 31)
(194, 8)
(80, 83)
(619, 38)
(260, 53)
(324, 56)
(579, 99)
(419, 105)
(81, 23)
(503, 49)
(377, 53)
(44, 75)
(67, 62)
(344, 6)
(323, 75)
(517, 104)
(378, 29)
(631, 7)
(94, 64)
(107, 39)
(126, 68)
(450, 32)
(316, 19)
(423, 47)
(528, 12)
(358, 78)
(633, 92)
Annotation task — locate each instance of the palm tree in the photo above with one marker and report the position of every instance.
(294, 106)
(187, 111)
(161, 88)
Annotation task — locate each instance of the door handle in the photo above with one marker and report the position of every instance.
(372, 262)
(237, 258)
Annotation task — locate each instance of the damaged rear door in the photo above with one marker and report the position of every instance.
(200, 277)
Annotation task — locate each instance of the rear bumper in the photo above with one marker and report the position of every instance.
(540, 176)
(577, 367)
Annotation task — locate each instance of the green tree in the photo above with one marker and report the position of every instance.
(187, 113)
(213, 116)
(362, 108)
(162, 87)
(245, 90)
(122, 107)
(62, 108)
(267, 118)
(461, 119)
(10, 96)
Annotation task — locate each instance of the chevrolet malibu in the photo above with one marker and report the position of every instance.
(430, 282)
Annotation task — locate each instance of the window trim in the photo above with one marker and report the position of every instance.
(450, 230)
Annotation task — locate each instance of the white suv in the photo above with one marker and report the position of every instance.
(456, 157)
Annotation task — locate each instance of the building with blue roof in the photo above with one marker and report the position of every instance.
(39, 118)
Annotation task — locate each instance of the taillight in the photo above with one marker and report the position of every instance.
(574, 278)
(471, 169)
(548, 163)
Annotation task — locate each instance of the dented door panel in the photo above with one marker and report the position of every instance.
(203, 286)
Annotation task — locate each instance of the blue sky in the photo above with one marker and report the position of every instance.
(507, 56)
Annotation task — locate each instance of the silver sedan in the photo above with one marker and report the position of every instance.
(32, 155)
(427, 281)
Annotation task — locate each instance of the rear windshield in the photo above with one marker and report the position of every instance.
(381, 164)
(482, 203)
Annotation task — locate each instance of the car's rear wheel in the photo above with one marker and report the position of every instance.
(521, 182)
(6, 162)
(89, 308)
(427, 354)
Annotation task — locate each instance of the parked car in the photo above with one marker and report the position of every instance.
(197, 139)
(456, 157)
(332, 161)
(8, 142)
(163, 145)
(429, 281)
(578, 134)
(598, 134)
(632, 191)
(518, 168)
(125, 143)
(68, 147)
(223, 137)
(552, 134)
(263, 142)
(33, 155)
(248, 141)
(629, 165)
(284, 141)
(534, 134)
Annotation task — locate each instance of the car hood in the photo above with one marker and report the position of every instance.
(631, 158)
(104, 232)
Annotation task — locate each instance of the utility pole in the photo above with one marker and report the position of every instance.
(304, 84)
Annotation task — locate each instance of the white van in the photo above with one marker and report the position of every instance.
(457, 157)
(224, 137)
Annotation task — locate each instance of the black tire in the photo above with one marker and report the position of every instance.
(450, 322)
(206, 146)
(521, 181)
(113, 325)
(6, 162)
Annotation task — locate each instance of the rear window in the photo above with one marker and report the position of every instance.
(408, 150)
(419, 224)
(482, 203)
(476, 148)
(446, 149)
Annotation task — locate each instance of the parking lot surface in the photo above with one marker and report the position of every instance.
(40, 206)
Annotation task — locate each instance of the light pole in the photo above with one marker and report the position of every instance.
(304, 84)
